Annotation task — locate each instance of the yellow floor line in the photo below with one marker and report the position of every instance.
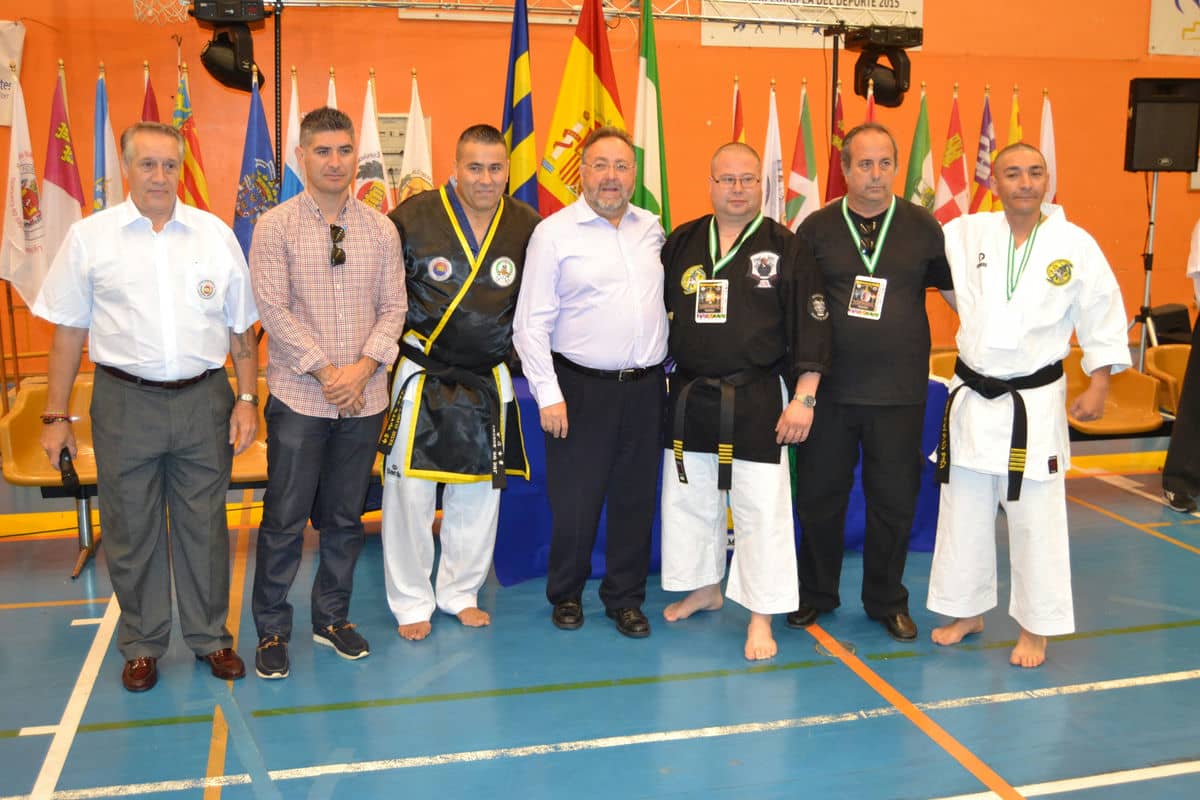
(1138, 463)
(53, 603)
(1136, 526)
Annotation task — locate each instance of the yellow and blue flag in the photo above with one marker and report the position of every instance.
(518, 112)
(256, 192)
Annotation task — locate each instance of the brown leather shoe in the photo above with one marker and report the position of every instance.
(139, 674)
(900, 627)
(226, 664)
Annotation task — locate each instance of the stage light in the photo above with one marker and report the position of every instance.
(229, 58)
(891, 82)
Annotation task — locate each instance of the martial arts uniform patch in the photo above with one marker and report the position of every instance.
(1059, 272)
(691, 279)
(817, 308)
(440, 269)
(764, 267)
(504, 271)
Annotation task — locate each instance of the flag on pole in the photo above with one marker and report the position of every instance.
(649, 145)
(293, 175)
(1015, 133)
(982, 199)
(952, 198)
(803, 193)
(1046, 145)
(62, 191)
(416, 168)
(23, 260)
(331, 95)
(149, 101)
(587, 99)
(517, 120)
(918, 183)
(107, 189)
(370, 185)
(870, 101)
(836, 187)
(772, 165)
(739, 124)
(193, 185)
(256, 185)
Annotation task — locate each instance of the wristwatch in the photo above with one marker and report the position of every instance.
(252, 399)
(807, 400)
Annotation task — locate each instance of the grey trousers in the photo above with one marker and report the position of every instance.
(163, 452)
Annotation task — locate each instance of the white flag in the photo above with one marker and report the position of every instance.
(331, 98)
(416, 168)
(23, 259)
(370, 184)
(772, 168)
(293, 174)
(1046, 145)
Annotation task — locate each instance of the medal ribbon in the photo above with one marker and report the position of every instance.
(713, 242)
(1013, 280)
(869, 263)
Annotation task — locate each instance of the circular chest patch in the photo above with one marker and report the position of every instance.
(1059, 272)
(440, 269)
(206, 289)
(691, 279)
(504, 271)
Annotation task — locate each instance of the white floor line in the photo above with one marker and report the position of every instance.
(1133, 487)
(1093, 781)
(38, 730)
(86, 621)
(56, 756)
(657, 737)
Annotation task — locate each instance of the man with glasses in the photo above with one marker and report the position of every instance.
(161, 293)
(877, 254)
(591, 331)
(453, 417)
(329, 281)
(747, 327)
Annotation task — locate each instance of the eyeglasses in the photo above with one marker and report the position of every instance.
(337, 256)
(729, 181)
(620, 167)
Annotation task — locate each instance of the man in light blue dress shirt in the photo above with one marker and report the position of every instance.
(591, 330)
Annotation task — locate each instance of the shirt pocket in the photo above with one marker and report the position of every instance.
(204, 288)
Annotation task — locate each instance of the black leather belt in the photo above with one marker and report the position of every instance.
(622, 375)
(121, 375)
(991, 388)
(726, 384)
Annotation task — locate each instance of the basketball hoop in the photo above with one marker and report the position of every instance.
(161, 12)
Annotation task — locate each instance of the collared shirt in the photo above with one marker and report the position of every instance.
(317, 314)
(158, 305)
(593, 293)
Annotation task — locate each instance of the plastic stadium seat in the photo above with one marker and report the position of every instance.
(1167, 363)
(1131, 406)
(941, 363)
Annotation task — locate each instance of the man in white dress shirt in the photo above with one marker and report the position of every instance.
(161, 292)
(1024, 280)
(591, 330)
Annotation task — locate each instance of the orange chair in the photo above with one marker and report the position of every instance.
(941, 363)
(1167, 363)
(1131, 406)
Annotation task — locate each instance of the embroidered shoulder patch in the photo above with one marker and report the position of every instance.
(1059, 272)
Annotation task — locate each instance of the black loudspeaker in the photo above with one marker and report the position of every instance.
(1172, 324)
(1162, 133)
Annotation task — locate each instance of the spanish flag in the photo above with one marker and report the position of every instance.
(587, 99)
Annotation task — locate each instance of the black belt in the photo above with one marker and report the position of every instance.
(121, 375)
(622, 375)
(727, 384)
(991, 388)
(480, 381)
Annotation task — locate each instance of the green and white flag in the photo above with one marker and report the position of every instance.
(648, 144)
(918, 185)
(803, 193)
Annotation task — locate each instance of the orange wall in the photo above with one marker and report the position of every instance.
(1085, 57)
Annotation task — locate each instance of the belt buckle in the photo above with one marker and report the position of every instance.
(627, 374)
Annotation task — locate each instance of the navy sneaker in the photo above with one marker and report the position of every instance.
(344, 639)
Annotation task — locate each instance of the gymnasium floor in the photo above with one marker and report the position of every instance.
(522, 710)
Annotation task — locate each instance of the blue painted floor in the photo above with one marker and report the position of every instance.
(522, 710)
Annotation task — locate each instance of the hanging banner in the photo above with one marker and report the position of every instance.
(12, 43)
(1175, 27)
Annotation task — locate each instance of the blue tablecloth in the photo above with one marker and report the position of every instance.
(523, 538)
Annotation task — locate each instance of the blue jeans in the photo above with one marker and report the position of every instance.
(316, 467)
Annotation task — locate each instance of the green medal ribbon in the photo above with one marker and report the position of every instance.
(713, 244)
(869, 263)
(1013, 280)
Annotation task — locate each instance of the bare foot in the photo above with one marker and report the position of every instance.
(1030, 650)
(474, 617)
(760, 644)
(706, 598)
(957, 630)
(416, 631)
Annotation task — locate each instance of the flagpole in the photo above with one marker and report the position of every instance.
(278, 97)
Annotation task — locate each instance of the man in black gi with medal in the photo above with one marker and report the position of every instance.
(747, 326)
(877, 253)
(453, 417)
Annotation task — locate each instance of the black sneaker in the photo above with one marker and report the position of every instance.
(1179, 502)
(271, 659)
(344, 639)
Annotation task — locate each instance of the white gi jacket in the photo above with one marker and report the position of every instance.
(1067, 286)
